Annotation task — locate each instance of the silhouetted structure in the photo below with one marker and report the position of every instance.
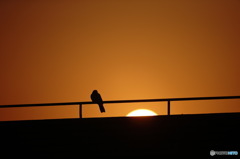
(96, 98)
(170, 136)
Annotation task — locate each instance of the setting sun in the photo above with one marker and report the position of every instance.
(142, 112)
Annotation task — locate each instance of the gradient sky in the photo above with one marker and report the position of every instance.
(59, 51)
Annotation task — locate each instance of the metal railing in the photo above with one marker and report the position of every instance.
(168, 100)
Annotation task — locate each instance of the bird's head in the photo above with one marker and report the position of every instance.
(95, 91)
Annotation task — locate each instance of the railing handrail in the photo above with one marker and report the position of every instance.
(168, 100)
(121, 101)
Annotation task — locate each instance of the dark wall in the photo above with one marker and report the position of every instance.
(177, 135)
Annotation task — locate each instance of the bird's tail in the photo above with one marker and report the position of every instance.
(101, 107)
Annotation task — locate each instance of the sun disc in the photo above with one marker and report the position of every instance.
(142, 112)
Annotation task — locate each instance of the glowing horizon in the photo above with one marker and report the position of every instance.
(125, 49)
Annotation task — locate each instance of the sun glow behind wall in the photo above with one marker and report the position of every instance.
(141, 112)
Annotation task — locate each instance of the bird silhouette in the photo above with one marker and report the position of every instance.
(96, 98)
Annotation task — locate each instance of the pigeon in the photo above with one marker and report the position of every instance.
(96, 98)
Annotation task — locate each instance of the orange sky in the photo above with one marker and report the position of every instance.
(59, 51)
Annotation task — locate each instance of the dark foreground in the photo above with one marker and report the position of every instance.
(177, 135)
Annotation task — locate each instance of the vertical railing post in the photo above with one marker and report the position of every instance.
(80, 111)
(168, 107)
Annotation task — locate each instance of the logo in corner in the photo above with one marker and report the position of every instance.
(212, 153)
